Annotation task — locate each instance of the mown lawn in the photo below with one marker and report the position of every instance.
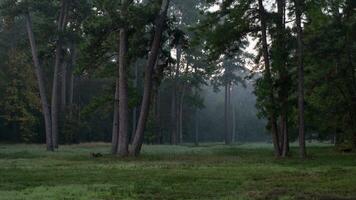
(182, 172)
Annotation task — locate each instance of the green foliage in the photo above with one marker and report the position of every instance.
(20, 105)
(331, 73)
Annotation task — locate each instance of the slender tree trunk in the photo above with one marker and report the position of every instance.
(63, 87)
(229, 112)
(284, 131)
(145, 106)
(284, 77)
(56, 76)
(134, 110)
(233, 119)
(177, 120)
(123, 95)
(175, 132)
(227, 115)
(196, 138)
(157, 117)
(181, 104)
(272, 115)
(115, 129)
(71, 75)
(41, 85)
(54, 103)
(174, 117)
(298, 13)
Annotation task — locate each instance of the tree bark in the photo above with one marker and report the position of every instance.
(123, 94)
(40, 81)
(233, 119)
(145, 106)
(174, 109)
(174, 139)
(56, 76)
(71, 74)
(271, 99)
(157, 116)
(196, 138)
(301, 128)
(134, 110)
(227, 117)
(181, 104)
(115, 129)
(284, 77)
(63, 87)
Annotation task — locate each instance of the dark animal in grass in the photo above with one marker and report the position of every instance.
(96, 155)
(344, 148)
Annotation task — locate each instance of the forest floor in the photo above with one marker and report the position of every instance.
(209, 171)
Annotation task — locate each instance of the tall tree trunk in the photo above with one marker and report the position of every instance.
(134, 110)
(157, 117)
(227, 115)
(115, 128)
(181, 104)
(284, 77)
(173, 122)
(73, 60)
(196, 120)
(63, 87)
(175, 101)
(145, 106)
(56, 76)
(123, 94)
(272, 115)
(41, 85)
(233, 119)
(298, 14)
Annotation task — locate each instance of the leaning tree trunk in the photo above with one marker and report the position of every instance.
(56, 76)
(40, 80)
(272, 115)
(298, 14)
(145, 106)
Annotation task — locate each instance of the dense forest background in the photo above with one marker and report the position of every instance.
(209, 71)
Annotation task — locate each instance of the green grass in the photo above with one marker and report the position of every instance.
(210, 171)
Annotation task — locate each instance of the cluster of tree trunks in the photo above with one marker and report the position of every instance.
(280, 132)
(121, 114)
(62, 78)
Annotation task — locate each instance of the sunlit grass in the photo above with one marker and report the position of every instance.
(210, 171)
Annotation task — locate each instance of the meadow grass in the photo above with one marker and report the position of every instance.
(210, 171)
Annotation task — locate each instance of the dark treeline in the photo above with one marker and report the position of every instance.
(169, 71)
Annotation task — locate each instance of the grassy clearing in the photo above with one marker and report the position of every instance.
(180, 172)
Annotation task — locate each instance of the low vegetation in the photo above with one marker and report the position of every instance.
(210, 171)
